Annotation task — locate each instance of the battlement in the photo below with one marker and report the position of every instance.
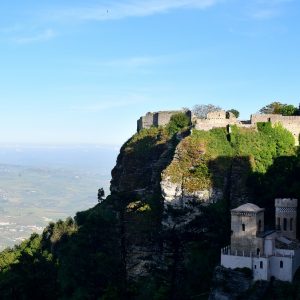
(286, 202)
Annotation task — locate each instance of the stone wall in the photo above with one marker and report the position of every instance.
(246, 239)
(291, 123)
(216, 119)
(220, 119)
(286, 217)
(159, 118)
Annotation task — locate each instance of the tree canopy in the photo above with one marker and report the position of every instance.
(280, 108)
(234, 111)
(201, 110)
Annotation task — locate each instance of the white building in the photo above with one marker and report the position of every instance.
(267, 253)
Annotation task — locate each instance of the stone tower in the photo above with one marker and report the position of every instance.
(247, 224)
(286, 217)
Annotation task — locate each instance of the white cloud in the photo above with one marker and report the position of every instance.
(125, 9)
(39, 37)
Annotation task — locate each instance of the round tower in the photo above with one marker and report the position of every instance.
(286, 217)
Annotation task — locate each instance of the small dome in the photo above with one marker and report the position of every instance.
(248, 207)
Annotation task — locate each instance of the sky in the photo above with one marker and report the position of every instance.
(83, 71)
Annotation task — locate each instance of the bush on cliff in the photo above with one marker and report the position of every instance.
(178, 122)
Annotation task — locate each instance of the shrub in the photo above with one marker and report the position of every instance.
(177, 122)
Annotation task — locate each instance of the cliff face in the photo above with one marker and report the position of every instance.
(168, 183)
(159, 234)
(141, 161)
(178, 191)
(230, 284)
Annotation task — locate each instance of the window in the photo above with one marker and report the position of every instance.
(257, 251)
(261, 264)
(284, 224)
(259, 225)
(254, 266)
(281, 264)
(291, 224)
(243, 227)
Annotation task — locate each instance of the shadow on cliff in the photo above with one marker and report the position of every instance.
(243, 185)
(92, 261)
(280, 181)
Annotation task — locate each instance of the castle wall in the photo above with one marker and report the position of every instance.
(218, 119)
(283, 273)
(156, 119)
(260, 268)
(291, 123)
(232, 261)
(208, 124)
(216, 115)
(296, 261)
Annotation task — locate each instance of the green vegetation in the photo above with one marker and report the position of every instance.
(264, 146)
(92, 255)
(205, 157)
(280, 108)
(196, 153)
(178, 122)
(234, 111)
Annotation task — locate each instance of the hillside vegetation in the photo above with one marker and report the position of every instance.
(120, 250)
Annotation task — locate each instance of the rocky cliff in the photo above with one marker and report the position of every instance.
(180, 189)
(230, 284)
(159, 234)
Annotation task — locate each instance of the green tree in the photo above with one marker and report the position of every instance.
(234, 111)
(280, 108)
(288, 110)
(272, 108)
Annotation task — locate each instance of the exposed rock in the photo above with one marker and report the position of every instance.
(235, 284)
(175, 195)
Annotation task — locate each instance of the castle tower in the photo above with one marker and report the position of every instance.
(286, 217)
(247, 223)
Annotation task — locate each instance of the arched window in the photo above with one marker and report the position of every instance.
(257, 251)
(261, 264)
(281, 264)
(243, 227)
(291, 224)
(284, 224)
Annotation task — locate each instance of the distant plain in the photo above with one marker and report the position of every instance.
(39, 184)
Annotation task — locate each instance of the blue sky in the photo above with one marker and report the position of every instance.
(84, 71)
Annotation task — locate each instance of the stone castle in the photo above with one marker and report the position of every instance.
(268, 253)
(220, 118)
